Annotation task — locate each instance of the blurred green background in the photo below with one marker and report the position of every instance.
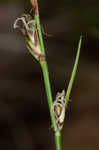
(24, 117)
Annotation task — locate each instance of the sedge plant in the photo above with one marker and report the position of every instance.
(31, 29)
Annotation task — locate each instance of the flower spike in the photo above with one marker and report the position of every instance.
(28, 27)
(59, 109)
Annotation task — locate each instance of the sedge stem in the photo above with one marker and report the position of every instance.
(44, 68)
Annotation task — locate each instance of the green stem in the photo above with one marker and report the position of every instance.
(73, 72)
(48, 87)
(40, 33)
(48, 92)
(58, 141)
(50, 104)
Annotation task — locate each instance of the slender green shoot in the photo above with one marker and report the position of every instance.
(73, 72)
(47, 85)
(40, 33)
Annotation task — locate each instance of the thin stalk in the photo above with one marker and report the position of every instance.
(40, 33)
(47, 86)
(50, 104)
(58, 141)
(73, 72)
(48, 91)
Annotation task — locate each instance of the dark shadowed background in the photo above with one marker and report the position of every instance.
(24, 117)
